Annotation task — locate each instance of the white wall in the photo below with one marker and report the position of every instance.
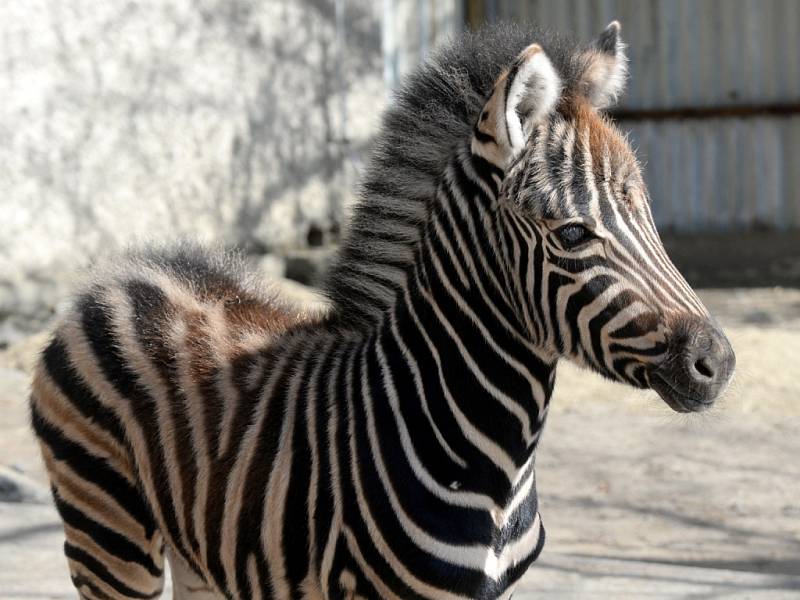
(227, 120)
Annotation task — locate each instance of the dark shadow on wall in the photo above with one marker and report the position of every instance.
(742, 259)
(293, 147)
(147, 100)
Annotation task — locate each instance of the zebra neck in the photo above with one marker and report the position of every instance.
(468, 382)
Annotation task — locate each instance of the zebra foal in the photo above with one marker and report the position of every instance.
(386, 448)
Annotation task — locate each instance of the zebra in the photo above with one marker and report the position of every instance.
(384, 447)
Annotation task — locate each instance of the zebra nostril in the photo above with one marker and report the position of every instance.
(703, 368)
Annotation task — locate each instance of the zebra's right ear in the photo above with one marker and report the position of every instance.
(522, 96)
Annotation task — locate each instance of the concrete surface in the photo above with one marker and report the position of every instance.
(119, 119)
(637, 501)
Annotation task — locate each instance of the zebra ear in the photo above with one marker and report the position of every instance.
(532, 94)
(606, 68)
(522, 96)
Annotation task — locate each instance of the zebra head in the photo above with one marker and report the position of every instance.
(593, 281)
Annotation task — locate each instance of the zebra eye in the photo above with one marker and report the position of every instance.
(573, 235)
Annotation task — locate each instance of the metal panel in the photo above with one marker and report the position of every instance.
(721, 174)
(410, 28)
(687, 52)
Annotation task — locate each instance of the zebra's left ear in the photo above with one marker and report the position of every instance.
(606, 68)
(523, 95)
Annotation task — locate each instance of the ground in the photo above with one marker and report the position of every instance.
(637, 501)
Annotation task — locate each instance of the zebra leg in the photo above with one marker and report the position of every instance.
(113, 546)
(186, 584)
(110, 554)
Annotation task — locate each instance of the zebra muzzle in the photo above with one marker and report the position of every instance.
(698, 366)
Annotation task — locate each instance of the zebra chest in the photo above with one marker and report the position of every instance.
(423, 549)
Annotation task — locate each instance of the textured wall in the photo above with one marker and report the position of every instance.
(410, 29)
(229, 120)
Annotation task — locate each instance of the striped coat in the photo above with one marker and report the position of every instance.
(384, 448)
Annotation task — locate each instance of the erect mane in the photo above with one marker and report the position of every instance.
(436, 108)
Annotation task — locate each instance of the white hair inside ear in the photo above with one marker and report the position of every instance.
(533, 88)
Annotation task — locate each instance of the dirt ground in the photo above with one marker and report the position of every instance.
(637, 501)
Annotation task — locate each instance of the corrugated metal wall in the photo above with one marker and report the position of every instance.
(410, 28)
(713, 103)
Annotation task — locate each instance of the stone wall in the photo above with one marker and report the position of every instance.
(229, 120)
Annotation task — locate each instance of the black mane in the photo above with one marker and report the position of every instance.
(435, 108)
